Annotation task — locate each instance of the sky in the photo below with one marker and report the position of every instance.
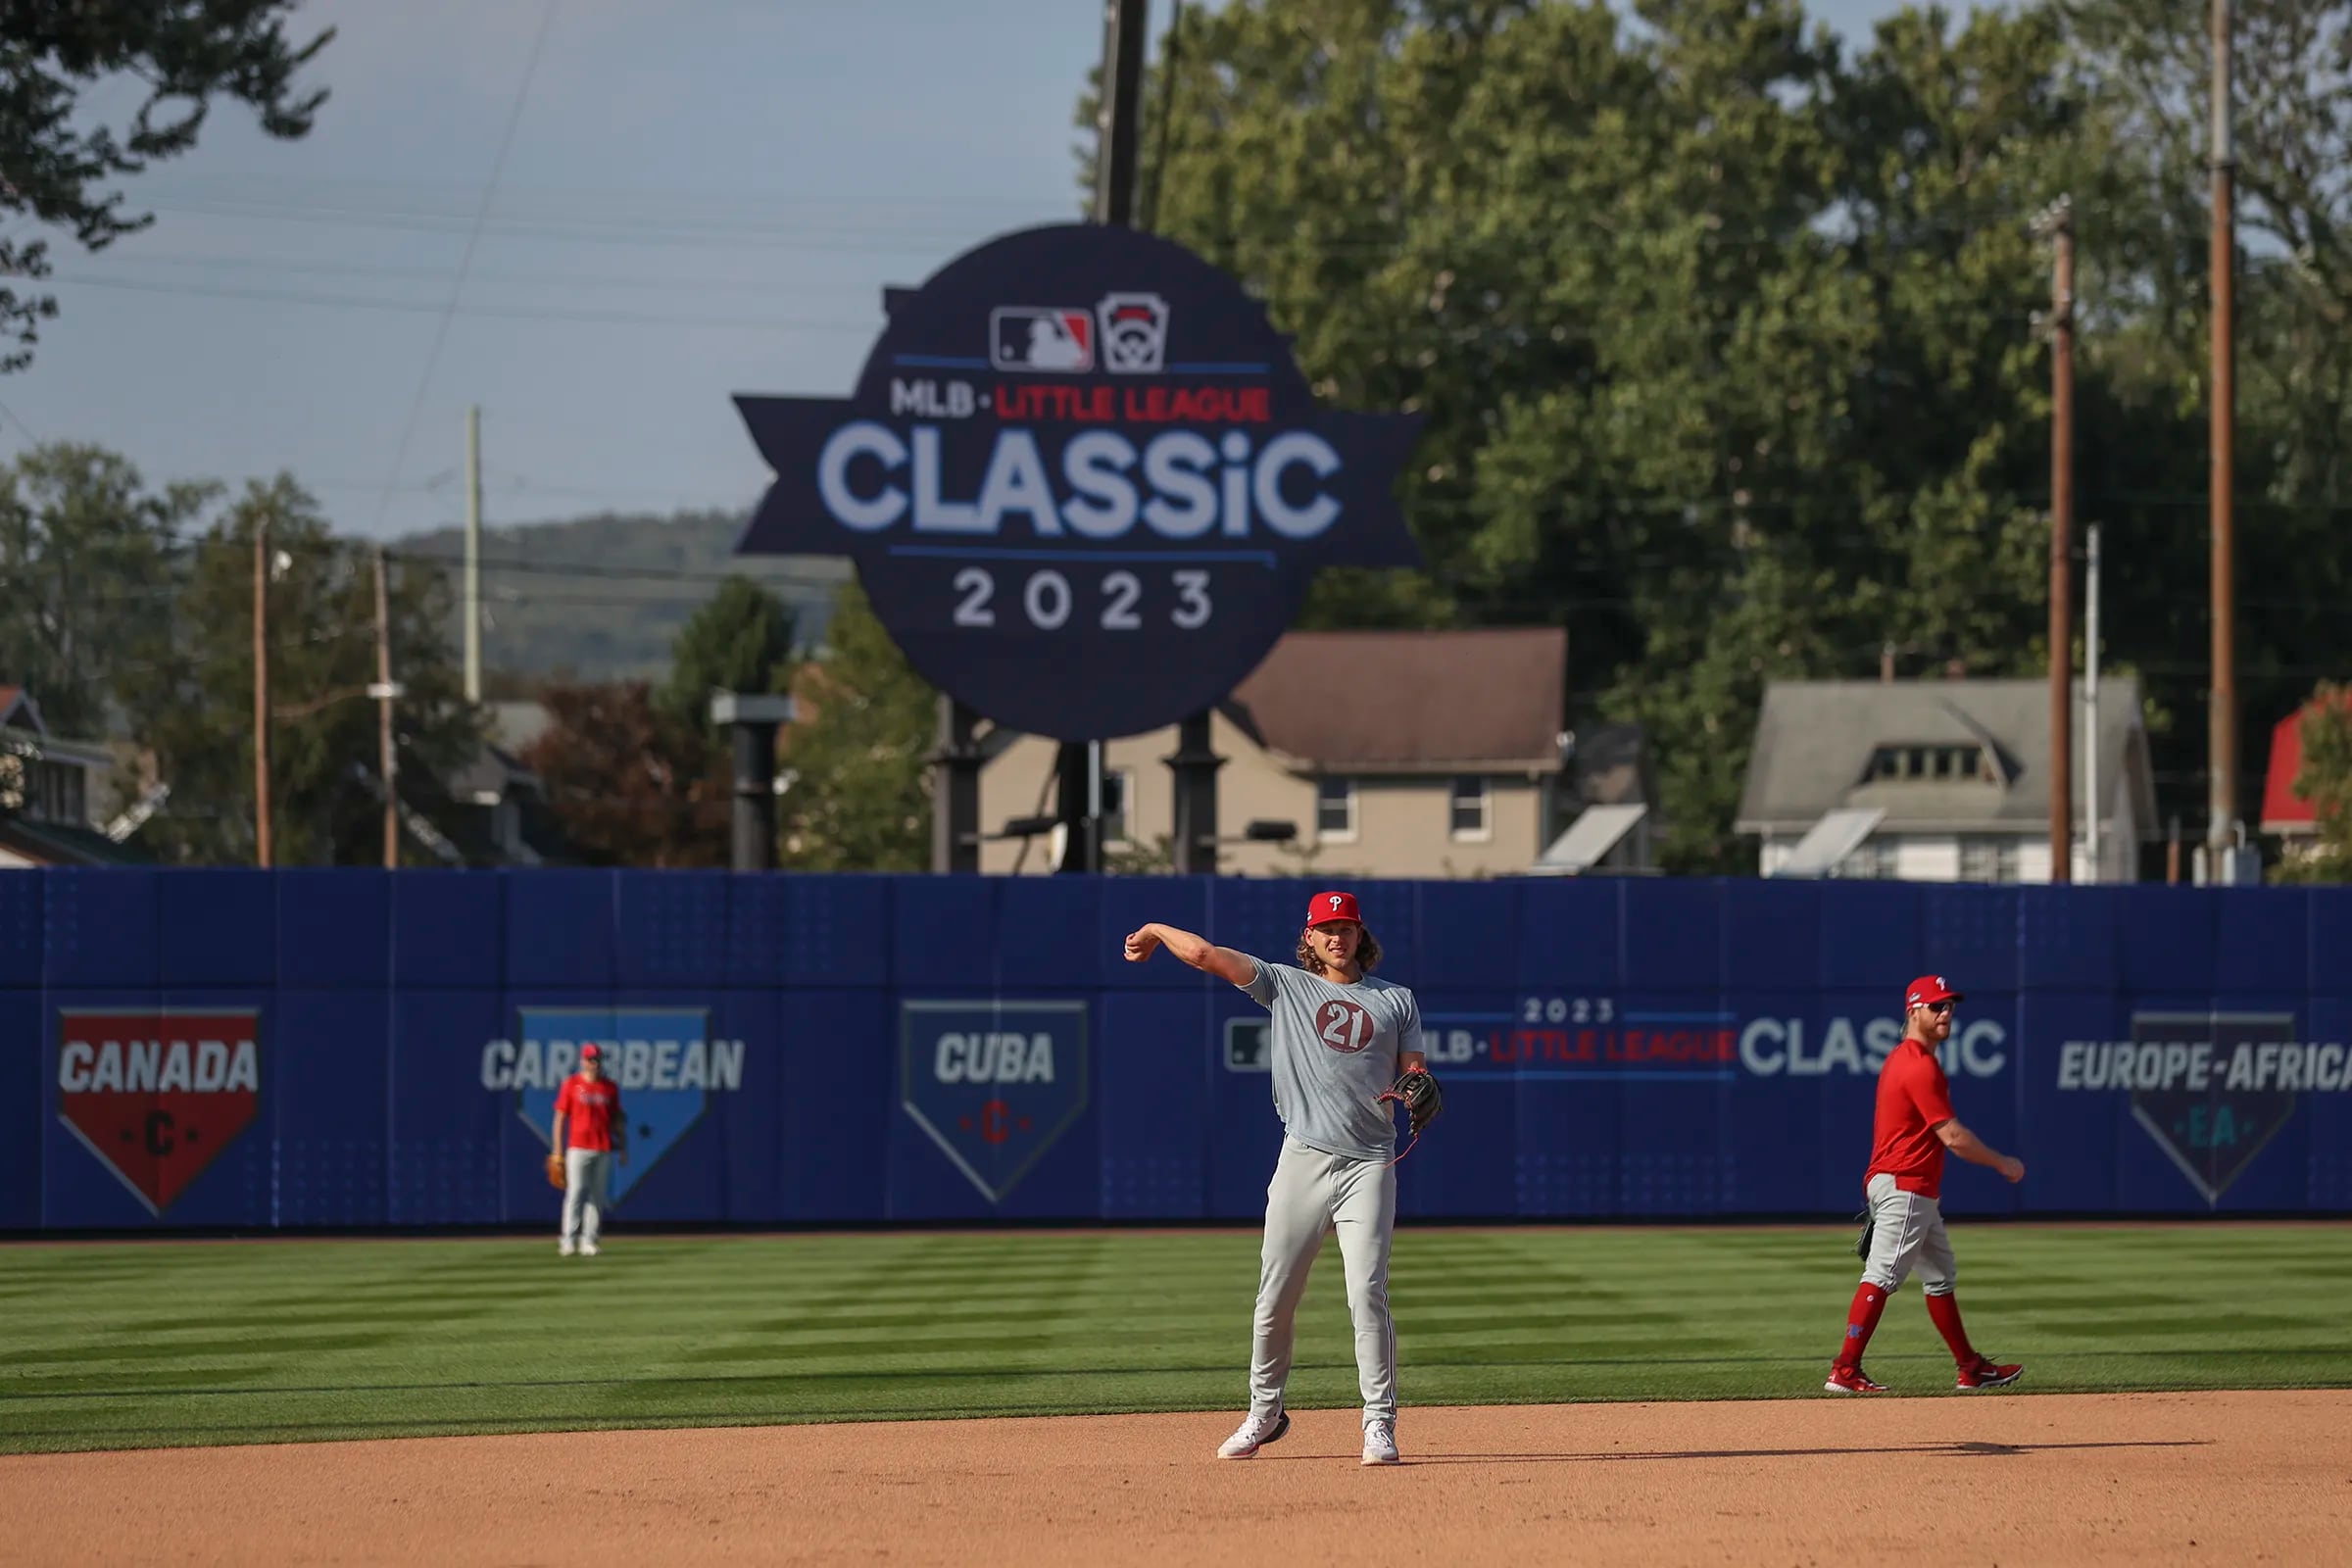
(594, 220)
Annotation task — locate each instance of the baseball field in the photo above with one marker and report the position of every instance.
(1525, 1352)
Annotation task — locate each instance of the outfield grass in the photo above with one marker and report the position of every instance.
(159, 1344)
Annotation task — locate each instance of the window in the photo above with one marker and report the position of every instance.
(1335, 809)
(1927, 765)
(1116, 783)
(56, 793)
(1870, 860)
(1467, 809)
(1989, 857)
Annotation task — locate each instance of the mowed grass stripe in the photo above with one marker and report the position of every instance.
(357, 1339)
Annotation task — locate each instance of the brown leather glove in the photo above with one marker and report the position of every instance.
(554, 1170)
(1418, 1090)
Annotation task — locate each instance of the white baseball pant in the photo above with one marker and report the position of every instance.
(1909, 1234)
(587, 1178)
(1356, 1199)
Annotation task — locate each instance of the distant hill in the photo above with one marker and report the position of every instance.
(601, 597)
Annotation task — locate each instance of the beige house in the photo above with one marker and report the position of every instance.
(1389, 755)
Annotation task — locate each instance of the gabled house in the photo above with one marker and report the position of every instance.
(49, 789)
(1940, 780)
(1405, 753)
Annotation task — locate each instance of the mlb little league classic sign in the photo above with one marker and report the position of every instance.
(1083, 480)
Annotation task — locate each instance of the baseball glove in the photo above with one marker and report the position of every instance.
(554, 1170)
(1418, 1092)
(1862, 1240)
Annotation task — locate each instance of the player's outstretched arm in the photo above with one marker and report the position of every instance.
(1225, 964)
(1969, 1147)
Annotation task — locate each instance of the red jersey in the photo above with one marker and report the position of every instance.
(1913, 1098)
(588, 1108)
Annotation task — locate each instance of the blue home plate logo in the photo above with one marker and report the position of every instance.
(994, 1083)
(2210, 1089)
(663, 1059)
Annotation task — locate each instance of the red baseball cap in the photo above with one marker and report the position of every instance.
(1328, 906)
(1928, 990)
(592, 1053)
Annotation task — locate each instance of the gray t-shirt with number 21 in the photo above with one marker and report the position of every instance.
(1335, 1049)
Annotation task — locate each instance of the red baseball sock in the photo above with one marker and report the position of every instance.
(1861, 1321)
(1946, 1313)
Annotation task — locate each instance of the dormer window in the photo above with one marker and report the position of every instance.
(1936, 762)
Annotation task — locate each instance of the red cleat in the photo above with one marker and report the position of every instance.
(1987, 1375)
(1851, 1379)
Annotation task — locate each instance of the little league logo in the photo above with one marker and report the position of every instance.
(993, 1083)
(663, 1059)
(1082, 521)
(157, 1094)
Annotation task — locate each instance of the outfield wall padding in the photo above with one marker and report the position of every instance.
(249, 1050)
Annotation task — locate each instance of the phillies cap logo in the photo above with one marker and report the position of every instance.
(158, 1094)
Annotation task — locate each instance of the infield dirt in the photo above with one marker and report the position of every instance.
(2072, 1478)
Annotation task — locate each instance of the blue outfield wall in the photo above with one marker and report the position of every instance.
(353, 1048)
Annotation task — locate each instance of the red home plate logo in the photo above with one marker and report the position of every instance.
(157, 1094)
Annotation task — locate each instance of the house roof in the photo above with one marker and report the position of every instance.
(1814, 741)
(16, 705)
(62, 844)
(2283, 809)
(1411, 700)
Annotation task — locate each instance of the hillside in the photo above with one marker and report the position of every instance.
(601, 597)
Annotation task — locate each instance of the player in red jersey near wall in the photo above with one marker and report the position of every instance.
(1912, 1129)
(592, 1131)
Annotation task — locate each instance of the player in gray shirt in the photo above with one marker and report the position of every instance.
(1341, 1039)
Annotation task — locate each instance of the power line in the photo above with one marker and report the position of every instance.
(457, 286)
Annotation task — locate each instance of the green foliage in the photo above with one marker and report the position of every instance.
(188, 696)
(859, 761)
(631, 782)
(1725, 339)
(2325, 782)
(741, 641)
(56, 155)
(86, 560)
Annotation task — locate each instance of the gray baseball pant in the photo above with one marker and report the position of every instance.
(587, 1178)
(1356, 1199)
(1907, 1233)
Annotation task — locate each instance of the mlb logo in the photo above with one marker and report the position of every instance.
(1249, 1045)
(1036, 337)
(1135, 333)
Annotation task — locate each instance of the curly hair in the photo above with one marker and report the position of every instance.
(1367, 953)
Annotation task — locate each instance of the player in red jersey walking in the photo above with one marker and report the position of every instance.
(592, 1131)
(1912, 1129)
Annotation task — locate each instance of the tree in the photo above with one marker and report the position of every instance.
(631, 783)
(859, 762)
(2325, 782)
(55, 156)
(741, 641)
(86, 562)
(189, 697)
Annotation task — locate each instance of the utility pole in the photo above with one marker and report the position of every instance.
(473, 555)
(2058, 222)
(260, 693)
(1079, 768)
(2221, 730)
(2093, 804)
(387, 759)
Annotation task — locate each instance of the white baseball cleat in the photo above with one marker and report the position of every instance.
(1379, 1442)
(1254, 1433)
(565, 1249)
(587, 1249)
